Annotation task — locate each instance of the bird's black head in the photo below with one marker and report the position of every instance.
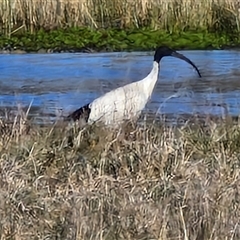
(165, 51)
(161, 52)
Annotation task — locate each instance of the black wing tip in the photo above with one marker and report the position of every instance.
(81, 113)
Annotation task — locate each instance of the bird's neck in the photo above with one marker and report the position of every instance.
(151, 79)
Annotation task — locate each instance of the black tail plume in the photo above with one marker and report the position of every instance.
(81, 113)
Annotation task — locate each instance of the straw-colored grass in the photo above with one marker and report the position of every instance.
(139, 182)
(157, 14)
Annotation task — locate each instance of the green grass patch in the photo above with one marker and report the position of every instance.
(84, 39)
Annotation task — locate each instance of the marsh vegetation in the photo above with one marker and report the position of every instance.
(146, 181)
(149, 181)
(118, 25)
(169, 15)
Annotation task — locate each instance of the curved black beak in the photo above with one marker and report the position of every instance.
(180, 56)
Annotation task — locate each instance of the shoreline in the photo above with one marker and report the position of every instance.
(60, 51)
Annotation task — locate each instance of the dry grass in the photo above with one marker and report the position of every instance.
(172, 14)
(144, 182)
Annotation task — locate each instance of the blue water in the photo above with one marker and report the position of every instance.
(66, 81)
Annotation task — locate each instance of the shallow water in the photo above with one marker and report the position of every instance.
(59, 83)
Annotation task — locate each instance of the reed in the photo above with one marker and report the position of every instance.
(171, 15)
(139, 182)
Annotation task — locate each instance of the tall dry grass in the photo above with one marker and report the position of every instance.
(140, 182)
(157, 14)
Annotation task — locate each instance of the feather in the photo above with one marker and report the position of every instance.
(81, 113)
(127, 102)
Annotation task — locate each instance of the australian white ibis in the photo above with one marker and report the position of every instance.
(127, 102)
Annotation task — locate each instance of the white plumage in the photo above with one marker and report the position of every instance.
(127, 102)
(124, 103)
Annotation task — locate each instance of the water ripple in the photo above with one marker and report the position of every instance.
(67, 81)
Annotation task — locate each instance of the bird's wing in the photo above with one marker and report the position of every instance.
(118, 103)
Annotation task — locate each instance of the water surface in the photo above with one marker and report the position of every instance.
(60, 83)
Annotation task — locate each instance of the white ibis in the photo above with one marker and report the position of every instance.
(127, 102)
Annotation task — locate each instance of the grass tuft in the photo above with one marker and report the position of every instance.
(149, 181)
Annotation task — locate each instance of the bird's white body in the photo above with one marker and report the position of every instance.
(127, 102)
(124, 103)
